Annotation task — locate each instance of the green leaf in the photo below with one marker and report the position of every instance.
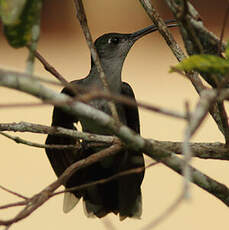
(204, 63)
(227, 51)
(20, 33)
(10, 10)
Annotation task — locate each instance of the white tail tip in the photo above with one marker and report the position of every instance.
(70, 201)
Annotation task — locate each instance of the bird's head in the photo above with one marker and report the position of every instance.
(114, 47)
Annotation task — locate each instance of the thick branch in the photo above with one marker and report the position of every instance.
(216, 151)
(36, 128)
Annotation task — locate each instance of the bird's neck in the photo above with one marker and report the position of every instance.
(112, 72)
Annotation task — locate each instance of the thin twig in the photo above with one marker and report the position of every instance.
(102, 181)
(159, 22)
(20, 140)
(174, 46)
(14, 193)
(225, 19)
(50, 68)
(83, 22)
(54, 72)
(12, 205)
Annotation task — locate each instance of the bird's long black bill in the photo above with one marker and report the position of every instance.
(149, 29)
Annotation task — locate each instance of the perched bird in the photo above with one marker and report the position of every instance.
(122, 195)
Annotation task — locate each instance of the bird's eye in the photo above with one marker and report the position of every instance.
(113, 40)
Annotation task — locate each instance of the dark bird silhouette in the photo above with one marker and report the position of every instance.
(122, 195)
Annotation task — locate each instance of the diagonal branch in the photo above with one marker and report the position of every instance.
(50, 68)
(159, 22)
(15, 204)
(83, 22)
(14, 193)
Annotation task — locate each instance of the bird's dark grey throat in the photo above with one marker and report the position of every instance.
(121, 196)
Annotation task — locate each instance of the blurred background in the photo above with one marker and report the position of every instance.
(26, 170)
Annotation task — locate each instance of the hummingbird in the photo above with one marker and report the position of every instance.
(122, 195)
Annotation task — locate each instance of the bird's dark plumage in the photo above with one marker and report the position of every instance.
(122, 195)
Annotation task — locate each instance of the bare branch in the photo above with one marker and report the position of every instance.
(13, 205)
(14, 193)
(20, 140)
(83, 22)
(36, 128)
(201, 150)
(50, 68)
(159, 22)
